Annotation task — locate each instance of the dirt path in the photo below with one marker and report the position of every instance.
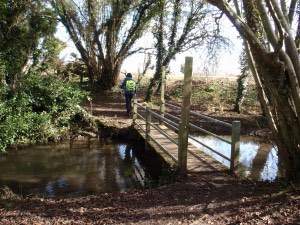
(110, 109)
(205, 198)
(109, 105)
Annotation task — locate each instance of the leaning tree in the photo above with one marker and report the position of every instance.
(182, 25)
(104, 32)
(267, 27)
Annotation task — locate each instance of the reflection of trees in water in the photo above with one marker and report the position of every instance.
(83, 169)
(281, 172)
(104, 171)
(128, 161)
(128, 169)
(260, 161)
(101, 169)
(111, 163)
(59, 170)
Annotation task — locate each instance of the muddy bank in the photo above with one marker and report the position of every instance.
(116, 129)
(101, 126)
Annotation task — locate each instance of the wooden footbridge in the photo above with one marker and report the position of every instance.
(169, 134)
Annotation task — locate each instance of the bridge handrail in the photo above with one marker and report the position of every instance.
(164, 133)
(175, 126)
(140, 105)
(210, 133)
(157, 115)
(201, 129)
(139, 115)
(210, 148)
(164, 119)
(172, 157)
(202, 116)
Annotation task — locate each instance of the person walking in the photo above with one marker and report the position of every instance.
(129, 87)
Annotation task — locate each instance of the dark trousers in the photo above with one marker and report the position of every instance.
(128, 98)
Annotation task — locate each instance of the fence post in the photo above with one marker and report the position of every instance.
(235, 145)
(135, 110)
(185, 116)
(162, 93)
(148, 122)
(91, 105)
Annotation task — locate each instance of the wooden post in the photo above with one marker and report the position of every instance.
(185, 116)
(135, 110)
(148, 122)
(91, 105)
(162, 93)
(235, 145)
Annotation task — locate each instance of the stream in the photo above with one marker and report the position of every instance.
(85, 167)
(258, 160)
(80, 168)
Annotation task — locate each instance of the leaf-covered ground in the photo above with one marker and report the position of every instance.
(201, 199)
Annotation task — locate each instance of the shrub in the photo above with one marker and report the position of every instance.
(40, 110)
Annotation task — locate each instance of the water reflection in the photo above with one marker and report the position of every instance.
(88, 167)
(258, 160)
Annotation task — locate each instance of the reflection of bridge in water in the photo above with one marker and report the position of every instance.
(143, 167)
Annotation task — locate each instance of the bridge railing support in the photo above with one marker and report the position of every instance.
(148, 122)
(162, 94)
(235, 146)
(135, 110)
(185, 116)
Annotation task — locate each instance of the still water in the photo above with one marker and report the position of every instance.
(258, 160)
(83, 167)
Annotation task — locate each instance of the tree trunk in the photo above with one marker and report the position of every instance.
(278, 76)
(286, 121)
(153, 83)
(242, 82)
(160, 49)
(273, 71)
(241, 91)
(109, 75)
(92, 71)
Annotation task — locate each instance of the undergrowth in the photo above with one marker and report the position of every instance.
(40, 110)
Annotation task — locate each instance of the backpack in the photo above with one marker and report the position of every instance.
(130, 86)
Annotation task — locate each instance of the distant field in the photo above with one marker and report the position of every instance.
(175, 77)
(213, 94)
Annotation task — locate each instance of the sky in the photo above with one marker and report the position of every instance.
(227, 62)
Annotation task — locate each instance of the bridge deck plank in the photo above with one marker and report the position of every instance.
(197, 160)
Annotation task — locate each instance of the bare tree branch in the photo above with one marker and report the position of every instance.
(104, 32)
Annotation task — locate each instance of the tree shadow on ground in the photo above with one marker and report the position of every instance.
(203, 197)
